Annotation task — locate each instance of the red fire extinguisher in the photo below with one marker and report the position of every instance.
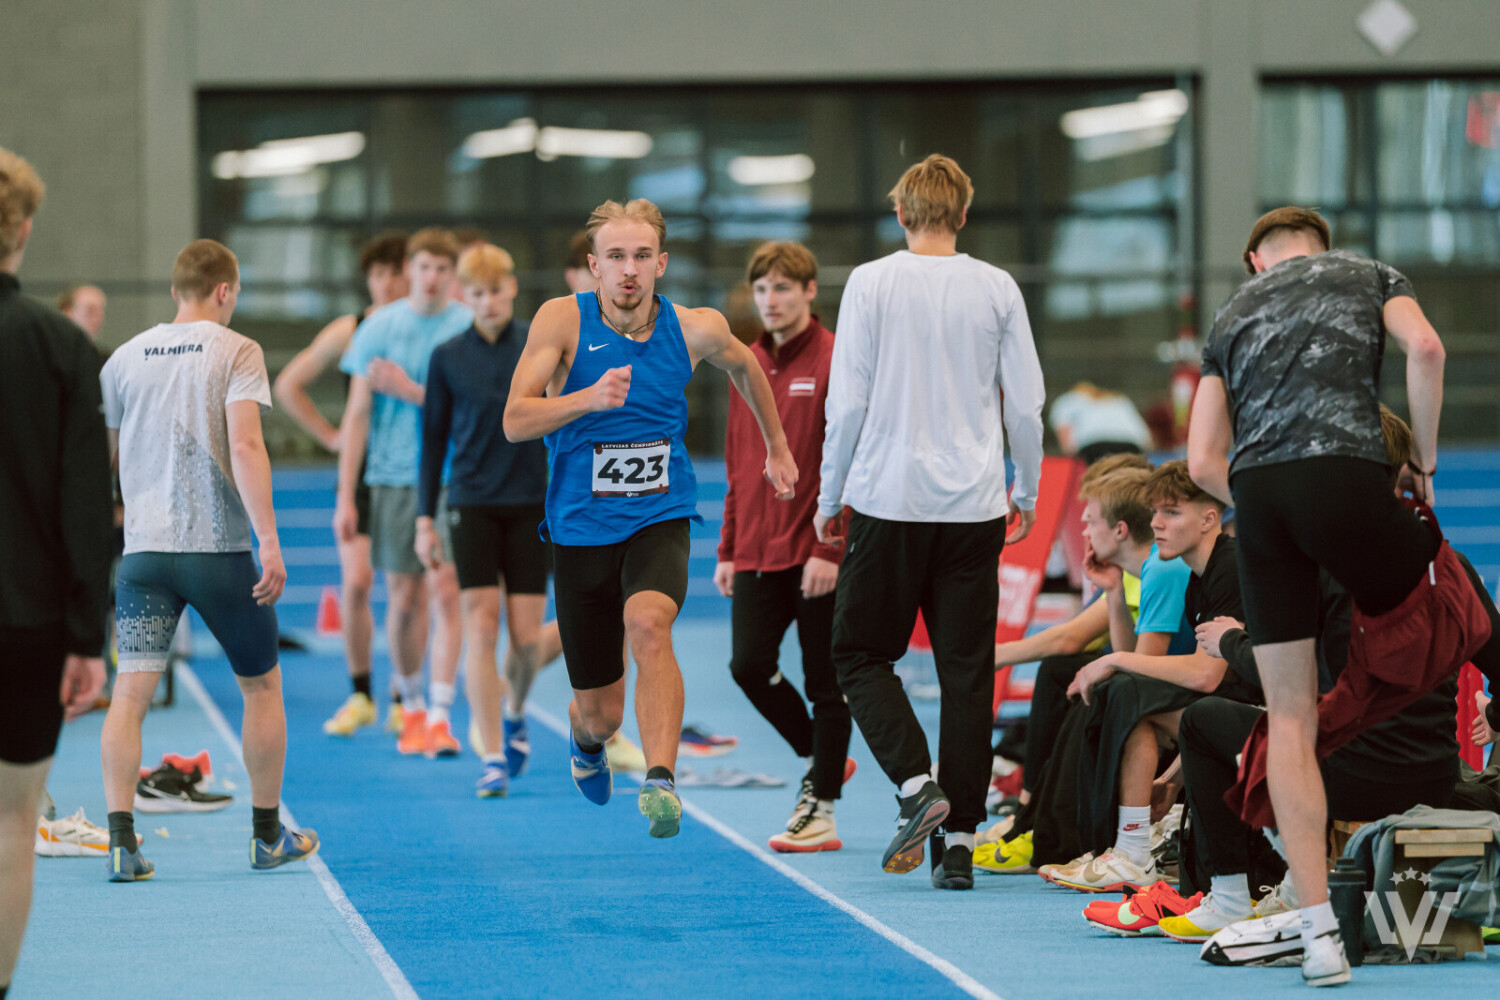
(1185, 370)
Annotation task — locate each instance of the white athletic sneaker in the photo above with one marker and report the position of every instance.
(1163, 829)
(71, 837)
(624, 755)
(808, 831)
(1109, 872)
(1279, 899)
(1324, 962)
(1260, 941)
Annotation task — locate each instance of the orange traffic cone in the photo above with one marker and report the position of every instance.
(330, 621)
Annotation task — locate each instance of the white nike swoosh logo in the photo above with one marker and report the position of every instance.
(595, 347)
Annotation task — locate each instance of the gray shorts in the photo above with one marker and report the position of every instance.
(393, 528)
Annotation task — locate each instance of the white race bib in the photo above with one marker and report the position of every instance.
(631, 470)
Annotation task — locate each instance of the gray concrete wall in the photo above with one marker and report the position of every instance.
(100, 93)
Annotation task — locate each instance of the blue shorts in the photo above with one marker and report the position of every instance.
(152, 588)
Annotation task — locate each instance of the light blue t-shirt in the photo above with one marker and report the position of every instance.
(399, 333)
(1163, 590)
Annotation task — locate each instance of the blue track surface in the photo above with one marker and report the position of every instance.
(543, 894)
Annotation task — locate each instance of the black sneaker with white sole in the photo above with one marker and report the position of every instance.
(168, 790)
(921, 813)
(952, 867)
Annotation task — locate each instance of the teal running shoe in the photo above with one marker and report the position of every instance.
(517, 745)
(659, 803)
(591, 773)
(292, 845)
(128, 866)
(494, 782)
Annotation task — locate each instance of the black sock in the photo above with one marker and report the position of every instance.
(395, 696)
(267, 823)
(589, 748)
(660, 772)
(362, 685)
(122, 830)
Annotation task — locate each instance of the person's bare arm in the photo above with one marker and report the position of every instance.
(1064, 639)
(354, 434)
(390, 379)
(312, 361)
(709, 339)
(252, 477)
(1210, 435)
(1152, 643)
(1196, 671)
(550, 347)
(1425, 360)
(1121, 625)
(113, 433)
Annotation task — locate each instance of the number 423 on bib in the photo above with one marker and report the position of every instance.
(636, 469)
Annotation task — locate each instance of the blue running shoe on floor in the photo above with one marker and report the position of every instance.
(517, 746)
(591, 772)
(292, 845)
(129, 866)
(494, 782)
(659, 803)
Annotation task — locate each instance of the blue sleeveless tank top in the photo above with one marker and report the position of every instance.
(614, 473)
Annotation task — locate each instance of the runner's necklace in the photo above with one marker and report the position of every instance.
(627, 334)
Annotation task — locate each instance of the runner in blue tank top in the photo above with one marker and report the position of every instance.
(602, 378)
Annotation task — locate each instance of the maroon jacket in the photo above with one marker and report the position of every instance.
(1394, 659)
(762, 533)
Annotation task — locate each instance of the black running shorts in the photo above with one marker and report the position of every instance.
(1337, 513)
(495, 544)
(31, 713)
(593, 582)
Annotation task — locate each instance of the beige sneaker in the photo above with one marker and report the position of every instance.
(353, 715)
(995, 834)
(395, 719)
(1053, 872)
(624, 755)
(808, 831)
(1110, 872)
(1278, 899)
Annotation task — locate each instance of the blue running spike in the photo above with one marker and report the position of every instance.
(591, 773)
(292, 845)
(517, 746)
(659, 803)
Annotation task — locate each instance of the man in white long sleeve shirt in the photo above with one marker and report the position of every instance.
(929, 341)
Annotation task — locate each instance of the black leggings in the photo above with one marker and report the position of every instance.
(1049, 704)
(1337, 513)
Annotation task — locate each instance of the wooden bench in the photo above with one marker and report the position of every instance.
(1422, 850)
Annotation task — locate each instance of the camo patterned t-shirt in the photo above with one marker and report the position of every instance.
(1299, 348)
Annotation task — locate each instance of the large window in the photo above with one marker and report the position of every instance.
(1083, 191)
(1409, 171)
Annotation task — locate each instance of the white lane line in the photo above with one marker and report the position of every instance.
(401, 989)
(957, 976)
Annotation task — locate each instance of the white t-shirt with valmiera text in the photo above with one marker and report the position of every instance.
(165, 390)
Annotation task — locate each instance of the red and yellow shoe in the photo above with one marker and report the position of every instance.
(413, 733)
(441, 741)
(1140, 914)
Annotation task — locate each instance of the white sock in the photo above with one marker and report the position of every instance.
(493, 758)
(912, 786)
(958, 840)
(1317, 920)
(411, 692)
(441, 696)
(824, 808)
(1133, 837)
(514, 714)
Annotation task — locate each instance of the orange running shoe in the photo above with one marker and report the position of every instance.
(1140, 913)
(413, 733)
(441, 742)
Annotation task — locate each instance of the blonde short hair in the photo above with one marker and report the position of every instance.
(202, 266)
(635, 210)
(485, 264)
(1123, 496)
(21, 194)
(933, 194)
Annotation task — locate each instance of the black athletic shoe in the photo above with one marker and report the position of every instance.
(920, 815)
(953, 867)
(167, 790)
